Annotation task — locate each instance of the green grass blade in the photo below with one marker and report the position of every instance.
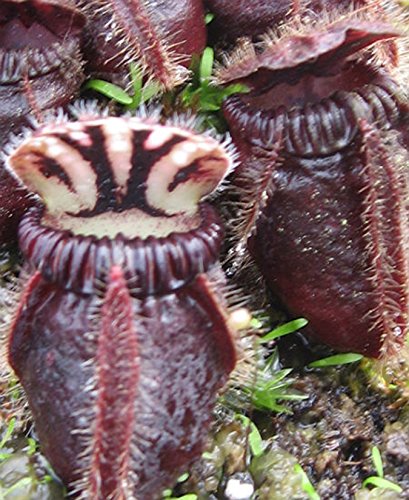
(380, 482)
(150, 90)
(377, 460)
(206, 64)
(8, 433)
(137, 82)
(255, 440)
(287, 328)
(306, 484)
(109, 90)
(336, 360)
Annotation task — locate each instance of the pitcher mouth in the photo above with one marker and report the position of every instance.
(296, 88)
(316, 50)
(131, 223)
(319, 129)
(153, 265)
(310, 89)
(36, 37)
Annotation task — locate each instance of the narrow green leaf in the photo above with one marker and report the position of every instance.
(337, 359)
(109, 90)
(266, 402)
(280, 331)
(150, 90)
(274, 378)
(8, 433)
(306, 484)
(380, 482)
(137, 82)
(377, 460)
(255, 440)
(206, 64)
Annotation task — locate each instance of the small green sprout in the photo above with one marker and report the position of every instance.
(336, 360)
(267, 392)
(286, 329)
(306, 484)
(202, 95)
(271, 386)
(256, 442)
(141, 92)
(379, 481)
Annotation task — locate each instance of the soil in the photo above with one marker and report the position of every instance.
(330, 434)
